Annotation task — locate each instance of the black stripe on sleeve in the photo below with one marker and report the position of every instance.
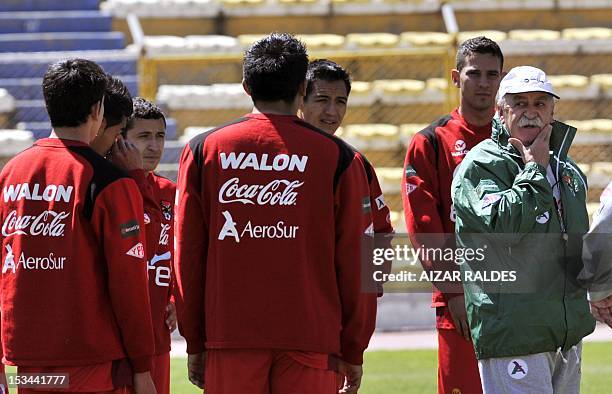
(346, 152)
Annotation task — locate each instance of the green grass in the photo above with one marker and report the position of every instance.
(415, 371)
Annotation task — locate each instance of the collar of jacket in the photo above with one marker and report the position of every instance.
(560, 139)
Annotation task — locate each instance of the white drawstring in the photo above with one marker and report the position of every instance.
(576, 353)
(560, 353)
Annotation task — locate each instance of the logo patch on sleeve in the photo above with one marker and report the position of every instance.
(166, 208)
(136, 251)
(130, 229)
(147, 219)
(380, 202)
(410, 171)
(410, 188)
(489, 199)
(365, 205)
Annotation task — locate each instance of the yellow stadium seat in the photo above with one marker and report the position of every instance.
(246, 40)
(418, 39)
(350, 1)
(584, 167)
(410, 87)
(408, 130)
(322, 41)
(390, 179)
(298, 1)
(372, 136)
(602, 168)
(534, 35)
(240, 3)
(603, 126)
(362, 93)
(372, 40)
(587, 33)
(437, 84)
(569, 81)
(494, 35)
(603, 80)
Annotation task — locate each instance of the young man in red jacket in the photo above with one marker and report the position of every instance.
(146, 130)
(74, 277)
(432, 157)
(110, 143)
(271, 212)
(327, 91)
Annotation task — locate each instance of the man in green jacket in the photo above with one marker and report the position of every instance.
(520, 204)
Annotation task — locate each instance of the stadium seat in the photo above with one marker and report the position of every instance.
(428, 38)
(372, 40)
(400, 91)
(398, 222)
(167, 9)
(192, 131)
(408, 130)
(574, 87)
(362, 94)
(58, 21)
(38, 129)
(231, 95)
(533, 35)
(390, 179)
(587, 33)
(14, 141)
(48, 5)
(494, 35)
(593, 126)
(75, 41)
(322, 41)
(7, 101)
(246, 40)
(604, 82)
(372, 136)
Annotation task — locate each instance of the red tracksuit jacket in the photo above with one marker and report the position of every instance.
(74, 280)
(161, 277)
(432, 157)
(271, 212)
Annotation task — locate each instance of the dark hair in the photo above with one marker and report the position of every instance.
(481, 45)
(70, 88)
(326, 70)
(144, 109)
(274, 67)
(117, 102)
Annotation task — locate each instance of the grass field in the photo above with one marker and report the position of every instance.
(414, 371)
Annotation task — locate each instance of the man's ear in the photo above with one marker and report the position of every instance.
(302, 89)
(455, 77)
(245, 87)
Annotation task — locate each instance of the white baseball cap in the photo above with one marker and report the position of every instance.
(525, 79)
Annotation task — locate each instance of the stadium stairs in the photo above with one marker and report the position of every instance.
(34, 34)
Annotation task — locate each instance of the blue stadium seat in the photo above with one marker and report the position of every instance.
(30, 88)
(43, 42)
(170, 129)
(48, 5)
(59, 21)
(25, 67)
(30, 111)
(38, 129)
(172, 152)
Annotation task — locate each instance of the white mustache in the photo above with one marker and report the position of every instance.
(525, 121)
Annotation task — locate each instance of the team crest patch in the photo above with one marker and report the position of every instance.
(166, 208)
(147, 219)
(410, 171)
(456, 391)
(489, 199)
(366, 205)
(518, 369)
(136, 251)
(486, 186)
(129, 229)
(410, 188)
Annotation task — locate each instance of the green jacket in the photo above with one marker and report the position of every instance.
(508, 205)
